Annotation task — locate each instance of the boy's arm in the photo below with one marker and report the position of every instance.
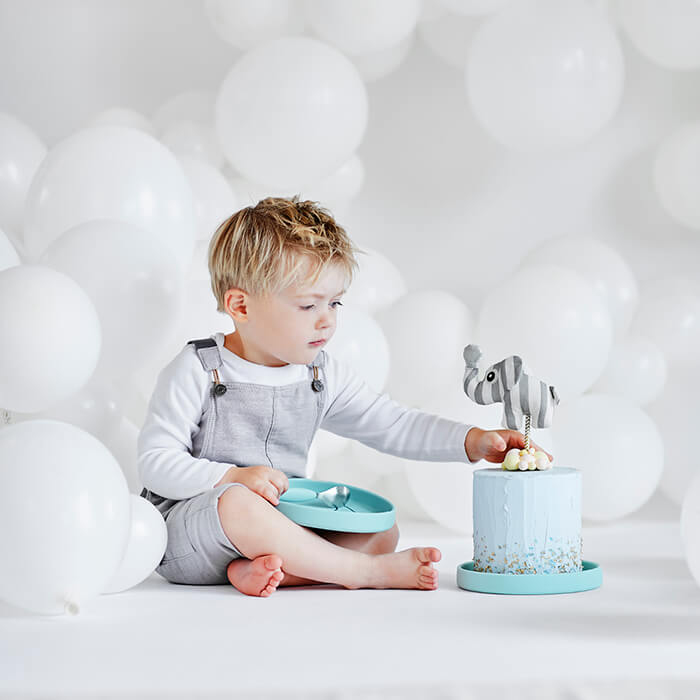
(357, 411)
(165, 463)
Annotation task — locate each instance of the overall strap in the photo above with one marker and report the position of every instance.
(210, 357)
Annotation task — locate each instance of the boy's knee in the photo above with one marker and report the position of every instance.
(386, 541)
(235, 499)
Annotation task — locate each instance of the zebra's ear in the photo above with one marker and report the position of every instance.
(511, 371)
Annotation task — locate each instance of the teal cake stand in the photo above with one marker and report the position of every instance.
(364, 511)
(529, 584)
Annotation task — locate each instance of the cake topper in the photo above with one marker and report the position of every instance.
(523, 397)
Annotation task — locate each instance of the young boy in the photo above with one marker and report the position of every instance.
(241, 410)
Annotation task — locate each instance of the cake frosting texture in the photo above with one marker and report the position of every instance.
(527, 522)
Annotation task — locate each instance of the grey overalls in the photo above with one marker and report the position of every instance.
(243, 424)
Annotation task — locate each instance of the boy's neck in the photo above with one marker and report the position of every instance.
(238, 346)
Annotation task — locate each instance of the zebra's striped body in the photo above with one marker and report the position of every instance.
(506, 382)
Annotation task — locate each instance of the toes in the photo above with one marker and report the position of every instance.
(272, 561)
(428, 554)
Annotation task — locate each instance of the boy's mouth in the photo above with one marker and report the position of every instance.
(316, 343)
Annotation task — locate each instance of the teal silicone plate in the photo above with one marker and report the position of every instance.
(529, 584)
(364, 511)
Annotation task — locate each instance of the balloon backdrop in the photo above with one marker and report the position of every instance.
(677, 176)
(618, 449)
(362, 26)
(148, 537)
(377, 283)
(669, 315)
(603, 267)
(636, 370)
(426, 331)
(121, 116)
(8, 254)
(111, 172)
(360, 342)
(53, 472)
(135, 284)
(51, 337)
(690, 527)
(553, 318)
(676, 413)
(545, 73)
(213, 198)
(666, 32)
(281, 97)
(247, 23)
(21, 153)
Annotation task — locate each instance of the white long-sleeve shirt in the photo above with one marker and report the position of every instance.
(352, 409)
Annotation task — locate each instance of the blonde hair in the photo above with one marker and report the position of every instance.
(263, 249)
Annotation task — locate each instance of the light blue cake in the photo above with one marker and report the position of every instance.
(527, 522)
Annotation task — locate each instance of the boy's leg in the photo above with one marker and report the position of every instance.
(257, 528)
(370, 542)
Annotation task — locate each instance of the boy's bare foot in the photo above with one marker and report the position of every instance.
(411, 568)
(258, 577)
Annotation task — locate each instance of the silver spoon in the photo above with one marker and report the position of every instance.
(336, 496)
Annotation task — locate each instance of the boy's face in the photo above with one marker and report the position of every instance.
(281, 328)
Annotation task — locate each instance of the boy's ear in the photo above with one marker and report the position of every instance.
(236, 304)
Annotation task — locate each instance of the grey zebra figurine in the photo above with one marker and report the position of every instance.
(505, 381)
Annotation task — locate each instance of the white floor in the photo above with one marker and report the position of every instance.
(638, 636)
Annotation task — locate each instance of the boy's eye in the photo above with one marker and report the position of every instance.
(334, 304)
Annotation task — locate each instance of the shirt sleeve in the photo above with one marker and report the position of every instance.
(356, 411)
(164, 445)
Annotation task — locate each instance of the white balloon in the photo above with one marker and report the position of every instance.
(475, 7)
(676, 413)
(636, 370)
(148, 538)
(553, 318)
(426, 331)
(93, 408)
(335, 191)
(283, 96)
(359, 341)
(545, 74)
(362, 26)
(376, 462)
(347, 468)
(213, 197)
(135, 285)
(378, 64)
(329, 444)
(51, 338)
(377, 283)
(450, 37)
(188, 138)
(690, 528)
(64, 516)
(677, 174)
(246, 23)
(618, 449)
(669, 315)
(666, 32)
(198, 319)
(122, 116)
(111, 172)
(121, 441)
(192, 106)
(602, 266)
(8, 254)
(21, 153)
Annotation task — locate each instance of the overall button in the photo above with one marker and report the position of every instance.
(219, 389)
(317, 385)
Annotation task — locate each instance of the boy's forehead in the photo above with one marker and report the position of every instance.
(330, 282)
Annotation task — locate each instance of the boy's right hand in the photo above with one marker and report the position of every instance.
(266, 481)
